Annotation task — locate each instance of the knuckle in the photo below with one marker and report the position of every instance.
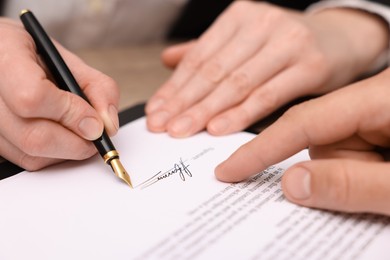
(293, 116)
(213, 71)
(106, 85)
(273, 15)
(200, 113)
(269, 101)
(109, 83)
(294, 112)
(30, 98)
(290, 114)
(240, 82)
(339, 186)
(176, 106)
(318, 62)
(69, 109)
(301, 40)
(299, 33)
(106, 81)
(245, 118)
(192, 61)
(72, 110)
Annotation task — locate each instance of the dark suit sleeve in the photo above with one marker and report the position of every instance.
(384, 2)
(198, 15)
(2, 7)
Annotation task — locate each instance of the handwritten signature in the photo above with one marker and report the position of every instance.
(180, 168)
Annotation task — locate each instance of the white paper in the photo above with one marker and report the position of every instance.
(80, 210)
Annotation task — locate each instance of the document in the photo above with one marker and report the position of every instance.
(177, 210)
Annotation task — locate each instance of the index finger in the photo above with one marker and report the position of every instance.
(101, 90)
(321, 121)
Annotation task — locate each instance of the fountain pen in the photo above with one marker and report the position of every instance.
(66, 81)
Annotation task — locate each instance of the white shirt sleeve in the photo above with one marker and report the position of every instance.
(371, 7)
(99, 23)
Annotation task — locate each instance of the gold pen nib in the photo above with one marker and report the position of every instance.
(120, 171)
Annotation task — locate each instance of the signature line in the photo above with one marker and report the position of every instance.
(180, 168)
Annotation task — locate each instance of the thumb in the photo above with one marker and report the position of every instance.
(339, 184)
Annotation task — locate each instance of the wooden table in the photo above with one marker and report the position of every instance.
(137, 70)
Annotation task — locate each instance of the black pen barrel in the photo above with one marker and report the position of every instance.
(53, 60)
(104, 144)
(65, 80)
(59, 70)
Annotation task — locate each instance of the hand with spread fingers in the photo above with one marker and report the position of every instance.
(41, 124)
(347, 132)
(257, 57)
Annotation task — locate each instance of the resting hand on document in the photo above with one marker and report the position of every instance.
(346, 131)
(257, 57)
(41, 124)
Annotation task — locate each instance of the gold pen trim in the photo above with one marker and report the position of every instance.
(110, 155)
(24, 11)
(112, 158)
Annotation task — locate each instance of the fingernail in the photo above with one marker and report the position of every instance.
(182, 126)
(113, 112)
(154, 104)
(90, 128)
(159, 119)
(298, 183)
(219, 126)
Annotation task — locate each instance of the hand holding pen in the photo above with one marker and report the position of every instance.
(39, 117)
(66, 81)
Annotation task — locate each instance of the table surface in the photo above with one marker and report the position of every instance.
(137, 70)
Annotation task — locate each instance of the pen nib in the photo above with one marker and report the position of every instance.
(120, 171)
